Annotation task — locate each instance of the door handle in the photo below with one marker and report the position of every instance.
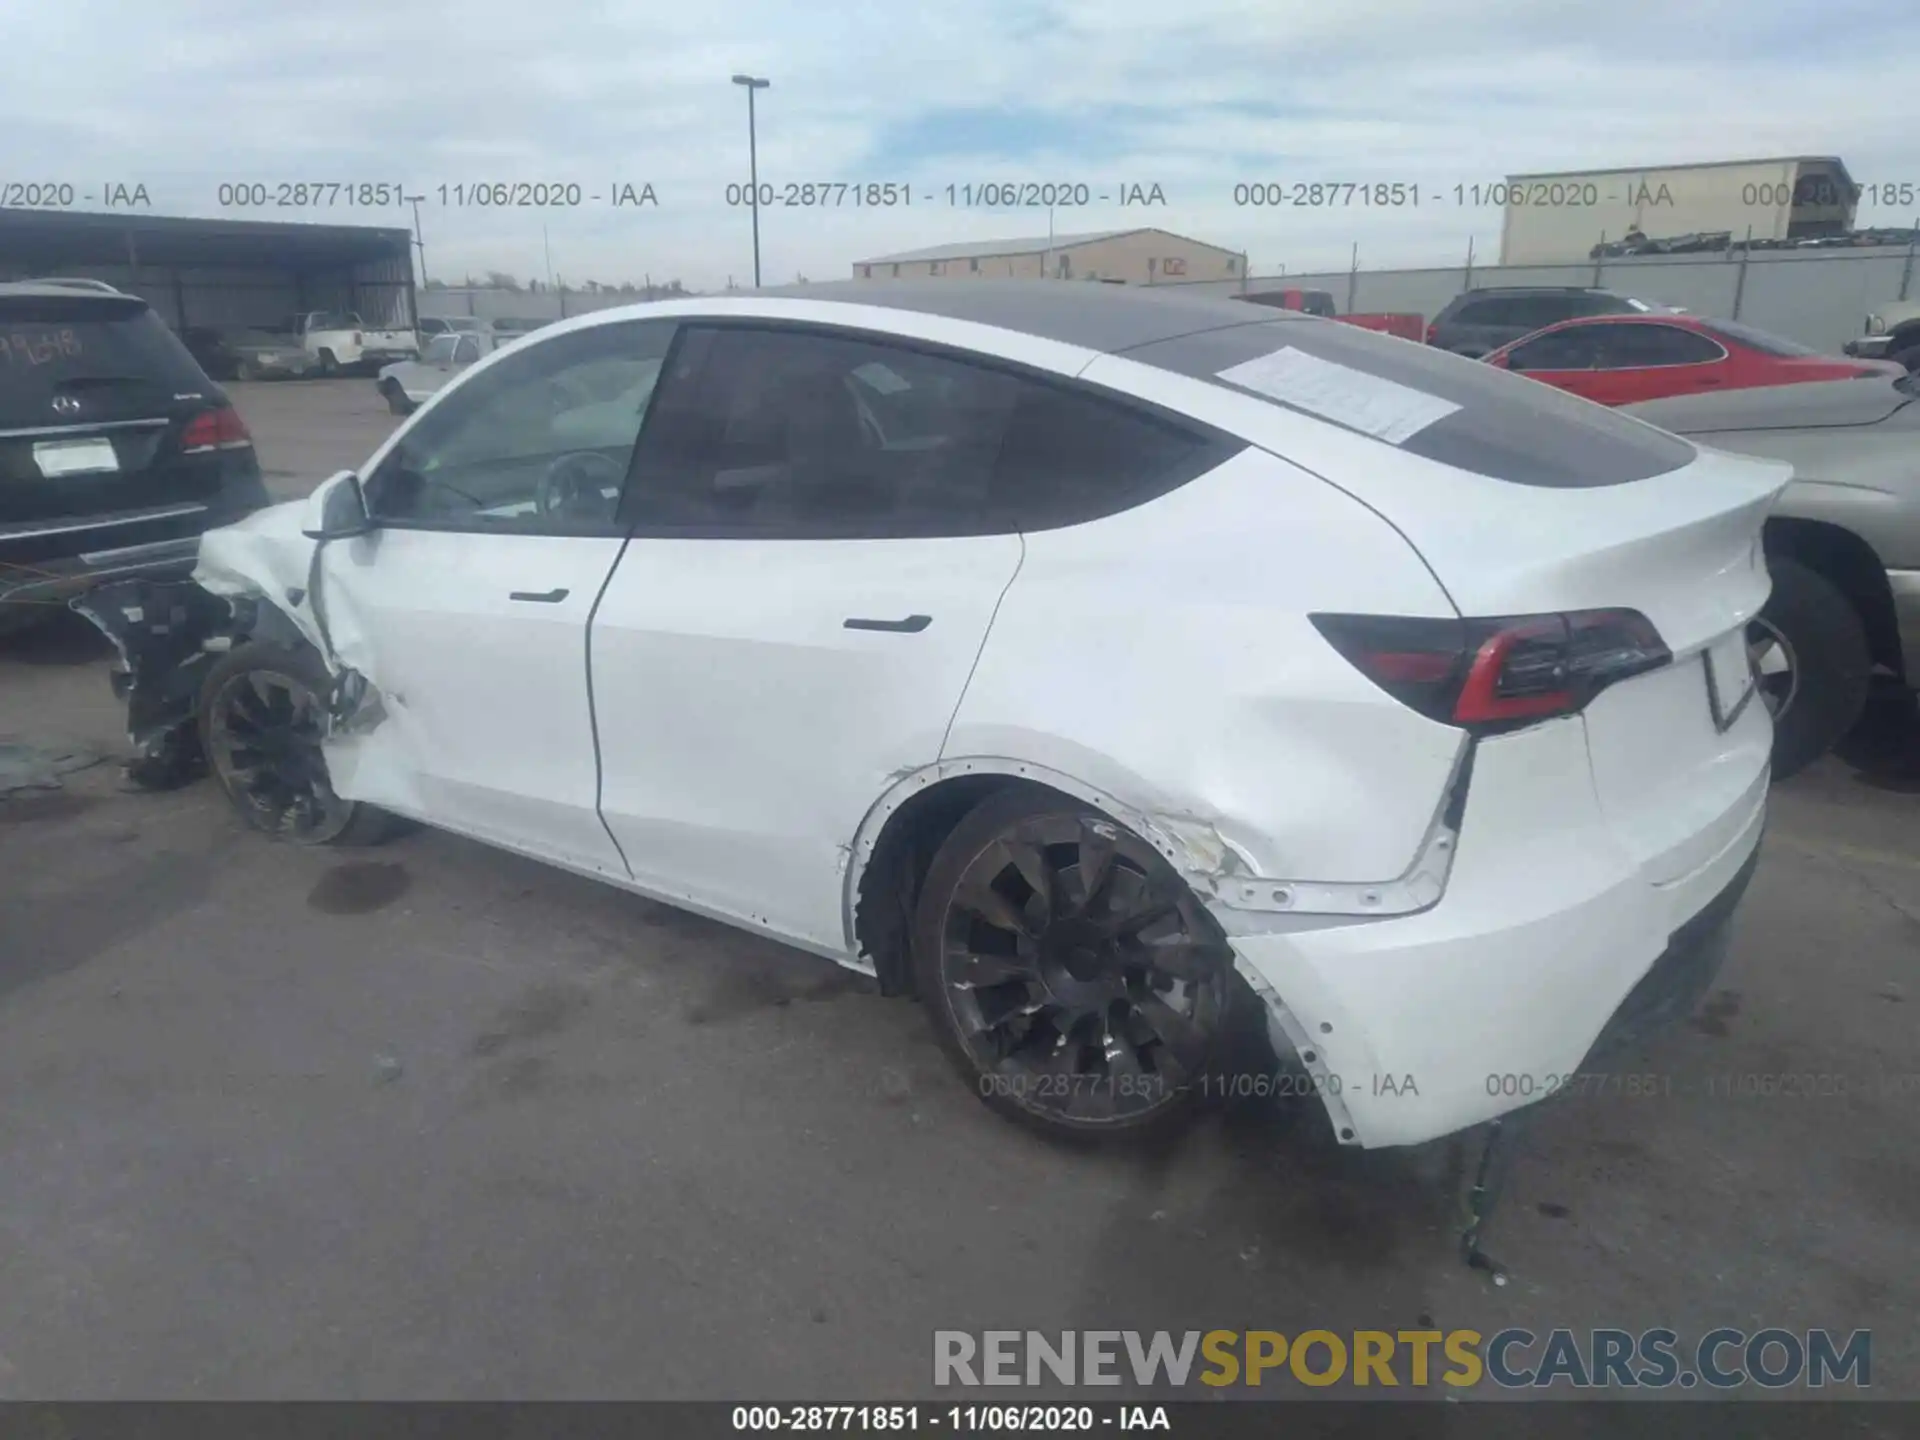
(543, 597)
(912, 625)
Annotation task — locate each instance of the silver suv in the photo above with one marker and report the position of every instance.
(1843, 543)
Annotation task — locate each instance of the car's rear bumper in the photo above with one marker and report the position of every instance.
(54, 582)
(1549, 934)
(50, 562)
(1905, 585)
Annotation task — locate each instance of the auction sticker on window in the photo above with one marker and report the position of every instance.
(1381, 408)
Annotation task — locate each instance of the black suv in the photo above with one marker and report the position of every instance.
(1481, 321)
(116, 450)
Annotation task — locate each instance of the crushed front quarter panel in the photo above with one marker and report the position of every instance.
(251, 582)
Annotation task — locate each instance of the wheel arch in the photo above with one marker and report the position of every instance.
(895, 844)
(1853, 567)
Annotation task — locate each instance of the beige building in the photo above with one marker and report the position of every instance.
(1557, 219)
(1134, 257)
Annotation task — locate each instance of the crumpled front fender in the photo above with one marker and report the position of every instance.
(252, 581)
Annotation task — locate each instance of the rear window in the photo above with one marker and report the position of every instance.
(62, 345)
(1505, 426)
(1759, 340)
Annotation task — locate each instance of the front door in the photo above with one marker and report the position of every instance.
(466, 608)
(812, 576)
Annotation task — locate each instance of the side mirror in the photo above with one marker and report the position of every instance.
(336, 510)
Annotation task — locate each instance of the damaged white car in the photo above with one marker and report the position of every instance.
(1086, 661)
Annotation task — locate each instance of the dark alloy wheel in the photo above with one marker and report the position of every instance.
(262, 722)
(1071, 975)
(1774, 667)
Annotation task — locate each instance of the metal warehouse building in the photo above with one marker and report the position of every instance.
(219, 273)
(1135, 257)
(1557, 218)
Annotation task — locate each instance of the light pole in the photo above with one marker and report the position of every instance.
(418, 243)
(753, 165)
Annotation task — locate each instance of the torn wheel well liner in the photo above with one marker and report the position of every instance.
(889, 886)
(169, 634)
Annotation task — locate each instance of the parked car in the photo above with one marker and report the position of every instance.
(428, 327)
(340, 340)
(1843, 544)
(1088, 660)
(1892, 333)
(1320, 302)
(116, 450)
(406, 385)
(1621, 359)
(247, 354)
(1479, 322)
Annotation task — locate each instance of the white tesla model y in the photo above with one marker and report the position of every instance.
(1084, 660)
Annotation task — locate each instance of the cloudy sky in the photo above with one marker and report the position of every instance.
(1193, 96)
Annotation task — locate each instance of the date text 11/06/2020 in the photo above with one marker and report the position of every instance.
(972, 195)
(463, 195)
(1587, 1085)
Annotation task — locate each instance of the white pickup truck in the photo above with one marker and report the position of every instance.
(340, 340)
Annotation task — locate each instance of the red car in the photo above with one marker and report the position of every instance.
(1620, 359)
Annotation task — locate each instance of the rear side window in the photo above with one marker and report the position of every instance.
(1505, 426)
(1629, 347)
(69, 346)
(794, 433)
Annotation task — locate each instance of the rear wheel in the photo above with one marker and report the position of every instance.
(1809, 649)
(262, 719)
(1071, 976)
(328, 365)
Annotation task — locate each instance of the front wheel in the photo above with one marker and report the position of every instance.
(262, 720)
(1070, 974)
(397, 402)
(1909, 357)
(1809, 651)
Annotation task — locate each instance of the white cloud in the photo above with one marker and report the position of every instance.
(185, 94)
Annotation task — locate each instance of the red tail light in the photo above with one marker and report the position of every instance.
(1497, 674)
(215, 430)
(1433, 331)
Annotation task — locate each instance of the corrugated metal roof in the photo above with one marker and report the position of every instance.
(1685, 165)
(982, 249)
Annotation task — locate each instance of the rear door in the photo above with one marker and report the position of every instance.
(466, 609)
(812, 573)
(95, 395)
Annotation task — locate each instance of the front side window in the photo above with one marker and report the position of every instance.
(1574, 348)
(466, 350)
(806, 434)
(440, 350)
(539, 443)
